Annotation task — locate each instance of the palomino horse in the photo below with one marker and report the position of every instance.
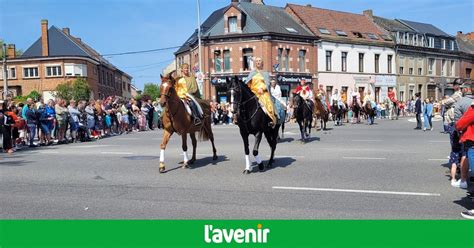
(320, 112)
(251, 119)
(177, 120)
(304, 116)
(356, 108)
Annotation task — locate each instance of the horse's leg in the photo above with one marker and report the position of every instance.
(164, 142)
(283, 130)
(258, 139)
(245, 138)
(194, 142)
(211, 138)
(272, 141)
(184, 145)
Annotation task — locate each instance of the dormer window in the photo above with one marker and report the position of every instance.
(443, 43)
(372, 36)
(341, 33)
(233, 24)
(358, 34)
(452, 46)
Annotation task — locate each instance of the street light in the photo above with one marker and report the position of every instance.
(5, 72)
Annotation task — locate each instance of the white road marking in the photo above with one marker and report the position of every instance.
(361, 158)
(118, 153)
(358, 191)
(89, 146)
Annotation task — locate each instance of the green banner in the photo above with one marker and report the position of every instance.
(239, 233)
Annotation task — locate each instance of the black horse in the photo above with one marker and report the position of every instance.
(356, 109)
(337, 113)
(304, 116)
(251, 119)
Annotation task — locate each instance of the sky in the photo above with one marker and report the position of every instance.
(115, 26)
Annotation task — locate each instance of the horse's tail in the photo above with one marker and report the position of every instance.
(206, 132)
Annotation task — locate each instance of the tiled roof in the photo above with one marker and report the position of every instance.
(424, 28)
(317, 18)
(465, 44)
(391, 25)
(59, 45)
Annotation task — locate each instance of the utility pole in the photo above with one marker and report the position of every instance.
(5, 72)
(200, 74)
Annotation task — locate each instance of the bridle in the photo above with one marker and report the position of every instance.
(241, 104)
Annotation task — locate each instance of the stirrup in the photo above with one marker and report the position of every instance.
(197, 121)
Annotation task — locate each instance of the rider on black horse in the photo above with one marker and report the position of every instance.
(305, 92)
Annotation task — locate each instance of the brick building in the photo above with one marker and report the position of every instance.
(353, 53)
(58, 57)
(466, 48)
(233, 35)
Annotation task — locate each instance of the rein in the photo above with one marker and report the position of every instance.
(242, 104)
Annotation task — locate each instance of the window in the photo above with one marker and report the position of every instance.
(357, 34)
(302, 58)
(226, 60)
(247, 58)
(452, 68)
(280, 54)
(53, 71)
(291, 30)
(324, 31)
(76, 70)
(232, 24)
(410, 71)
(431, 42)
(443, 67)
(431, 66)
(30, 72)
(377, 59)
(344, 61)
(373, 36)
(341, 33)
(217, 61)
(287, 59)
(443, 44)
(12, 73)
(401, 70)
(329, 90)
(361, 62)
(389, 63)
(468, 72)
(420, 71)
(328, 60)
(452, 45)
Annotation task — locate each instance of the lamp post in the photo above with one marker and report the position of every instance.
(200, 74)
(5, 72)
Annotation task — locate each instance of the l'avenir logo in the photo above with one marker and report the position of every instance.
(239, 235)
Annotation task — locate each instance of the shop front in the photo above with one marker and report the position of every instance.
(383, 84)
(289, 82)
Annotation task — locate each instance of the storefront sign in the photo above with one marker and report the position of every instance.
(362, 79)
(292, 78)
(220, 80)
(389, 81)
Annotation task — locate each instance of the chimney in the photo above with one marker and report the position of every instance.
(66, 31)
(369, 13)
(44, 38)
(11, 52)
(79, 39)
(309, 5)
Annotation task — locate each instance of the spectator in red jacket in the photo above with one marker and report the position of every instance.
(465, 125)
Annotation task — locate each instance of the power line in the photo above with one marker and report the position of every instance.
(141, 66)
(143, 51)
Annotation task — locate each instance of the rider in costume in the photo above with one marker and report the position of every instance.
(258, 81)
(188, 91)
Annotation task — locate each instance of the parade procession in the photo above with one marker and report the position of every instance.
(291, 111)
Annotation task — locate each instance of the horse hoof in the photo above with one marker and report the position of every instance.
(192, 161)
(269, 165)
(214, 157)
(261, 166)
(162, 168)
(246, 172)
(185, 166)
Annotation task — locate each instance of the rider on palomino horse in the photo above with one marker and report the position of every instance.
(187, 90)
(259, 83)
(323, 97)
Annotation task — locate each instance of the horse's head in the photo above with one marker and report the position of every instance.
(298, 99)
(166, 88)
(235, 93)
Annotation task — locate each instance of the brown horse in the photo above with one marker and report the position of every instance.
(177, 120)
(320, 112)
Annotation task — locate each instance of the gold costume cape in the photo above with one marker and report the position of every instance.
(258, 82)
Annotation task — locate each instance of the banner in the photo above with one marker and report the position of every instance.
(238, 233)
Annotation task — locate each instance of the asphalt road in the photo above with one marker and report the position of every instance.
(384, 171)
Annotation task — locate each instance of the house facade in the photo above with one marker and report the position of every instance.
(58, 57)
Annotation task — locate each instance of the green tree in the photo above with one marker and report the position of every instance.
(152, 90)
(18, 52)
(77, 90)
